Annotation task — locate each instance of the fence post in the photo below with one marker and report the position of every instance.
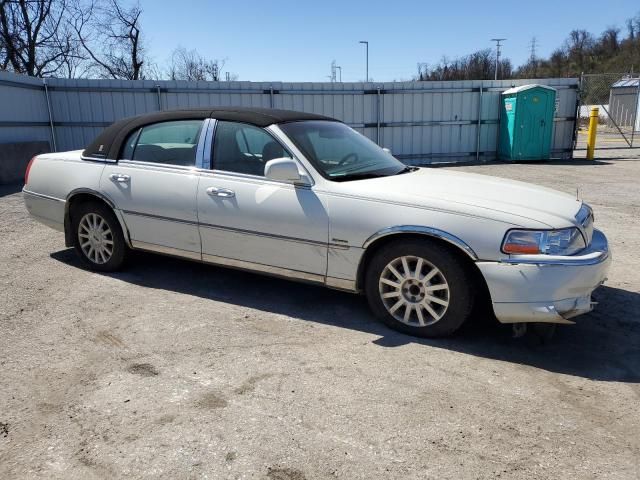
(635, 113)
(499, 119)
(576, 126)
(479, 123)
(53, 131)
(159, 97)
(378, 119)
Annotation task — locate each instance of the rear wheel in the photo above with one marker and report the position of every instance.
(420, 288)
(99, 241)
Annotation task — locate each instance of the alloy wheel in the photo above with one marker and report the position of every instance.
(414, 291)
(96, 238)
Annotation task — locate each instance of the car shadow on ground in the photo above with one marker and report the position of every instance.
(604, 345)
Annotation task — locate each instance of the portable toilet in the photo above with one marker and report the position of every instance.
(526, 122)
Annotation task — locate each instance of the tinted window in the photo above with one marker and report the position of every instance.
(168, 143)
(243, 148)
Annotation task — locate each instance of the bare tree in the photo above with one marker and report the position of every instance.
(111, 36)
(479, 65)
(4, 57)
(34, 36)
(190, 65)
(633, 27)
(610, 40)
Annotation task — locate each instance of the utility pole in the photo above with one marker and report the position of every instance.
(333, 71)
(498, 45)
(228, 76)
(366, 43)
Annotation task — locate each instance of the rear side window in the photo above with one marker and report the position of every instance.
(170, 143)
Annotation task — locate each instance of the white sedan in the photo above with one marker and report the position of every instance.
(307, 198)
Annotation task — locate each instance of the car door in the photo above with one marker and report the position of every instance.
(250, 221)
(154, 184)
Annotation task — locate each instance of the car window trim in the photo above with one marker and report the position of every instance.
(224, 174)
(149, 165)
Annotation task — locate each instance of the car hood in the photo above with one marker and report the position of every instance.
(496, 198)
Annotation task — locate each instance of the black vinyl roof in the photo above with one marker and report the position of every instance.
(108, 143)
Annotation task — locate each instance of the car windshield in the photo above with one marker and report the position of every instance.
(340, 153)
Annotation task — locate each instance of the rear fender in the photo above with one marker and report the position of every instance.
(87, 192)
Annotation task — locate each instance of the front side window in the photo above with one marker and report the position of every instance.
(340, 153)
(243, 148)
(170, 143)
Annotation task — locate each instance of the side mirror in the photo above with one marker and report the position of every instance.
(282, 170)
(388, 150)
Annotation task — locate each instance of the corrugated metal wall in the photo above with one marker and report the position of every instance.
(420, 122)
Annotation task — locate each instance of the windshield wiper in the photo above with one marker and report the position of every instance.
(407, 169)
(357, 176)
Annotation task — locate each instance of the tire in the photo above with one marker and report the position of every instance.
(428, 317)
(95, 225)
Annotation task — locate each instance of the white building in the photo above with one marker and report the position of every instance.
(624, 103)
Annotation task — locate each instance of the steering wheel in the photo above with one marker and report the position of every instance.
(344, 160)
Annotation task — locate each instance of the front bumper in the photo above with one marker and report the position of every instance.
(544, 288)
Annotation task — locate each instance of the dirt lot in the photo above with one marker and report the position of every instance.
(179, 370)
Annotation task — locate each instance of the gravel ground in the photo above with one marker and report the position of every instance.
(179, 370)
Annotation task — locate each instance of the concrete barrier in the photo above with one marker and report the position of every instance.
(14, 158)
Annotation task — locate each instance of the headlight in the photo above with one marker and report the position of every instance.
(546, 242)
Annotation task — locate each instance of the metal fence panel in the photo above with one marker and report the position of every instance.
(421, 122)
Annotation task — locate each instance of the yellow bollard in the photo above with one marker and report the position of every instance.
(591, 135)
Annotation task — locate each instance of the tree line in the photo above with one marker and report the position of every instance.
(614, 50)
(105, 39)
(90, 38)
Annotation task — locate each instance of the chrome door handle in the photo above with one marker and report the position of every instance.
(220, 192)
(120, 177)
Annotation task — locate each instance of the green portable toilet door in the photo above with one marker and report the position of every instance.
(535, 125)
(508, 126)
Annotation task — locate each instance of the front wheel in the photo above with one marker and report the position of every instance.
(420, 288)
(99, 241)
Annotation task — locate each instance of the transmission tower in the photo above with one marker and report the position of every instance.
(532, 49)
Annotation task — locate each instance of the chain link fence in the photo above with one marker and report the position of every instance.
(617, 96)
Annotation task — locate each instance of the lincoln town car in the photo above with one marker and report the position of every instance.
(308, 198)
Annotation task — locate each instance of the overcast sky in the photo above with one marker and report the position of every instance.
(297, 40)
